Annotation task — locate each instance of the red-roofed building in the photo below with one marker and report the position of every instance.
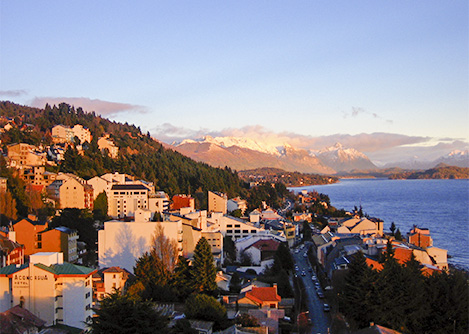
(182, 201)
(262, 250)
(261, 297)
(20, 320)
(420, 237)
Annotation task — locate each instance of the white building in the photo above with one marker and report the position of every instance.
(121, 243)
(237, 204)
(124, 199)
(55, 291)
(233, 227)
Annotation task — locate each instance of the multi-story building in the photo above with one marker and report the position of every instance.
(37, 175)
(71, 192)
(59, 239)
(124, 199)
(22, 154)
(121, 243)
(11, 252)
(26, 231)
(158, 202)
(237, 204)
(217, 202)
(56, 291)
(234, 227)
(65, 134)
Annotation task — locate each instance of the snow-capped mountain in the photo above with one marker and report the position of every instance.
(247, 153)
(455, 158)
(344, 159)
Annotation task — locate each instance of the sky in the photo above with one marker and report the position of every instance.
(299, 69)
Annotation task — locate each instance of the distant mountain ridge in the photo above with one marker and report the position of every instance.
(247, 153)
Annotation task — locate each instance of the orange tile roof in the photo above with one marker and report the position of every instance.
(263, 294)
(374, 264)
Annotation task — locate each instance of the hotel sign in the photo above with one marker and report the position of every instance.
(21, 281)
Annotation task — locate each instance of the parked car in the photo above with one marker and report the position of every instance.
(326, 308)
(320, 294)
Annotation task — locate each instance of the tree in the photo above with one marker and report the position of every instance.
(183, 326)
(204, 271)
(120, 314)
(307, 233)
(392, 228)
(164, 248)
(8, 206)
(235, 283)
(203, 307)
(182, 279)
(100, 207)
(229, 249)
(356, 300)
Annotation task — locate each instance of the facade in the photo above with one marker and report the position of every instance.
(59, 239)
(158, 202)
(121, 243)
(37, 175)
(99, 185)
(361, 226)
(233, 227)
(124, 199)
(105, 143)
(56, 291)
(71, 192)
(262, 250)
(420, 237)
(26, 231)
(217, 202)
(22, 154)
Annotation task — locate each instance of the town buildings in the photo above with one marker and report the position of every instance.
(53, 290)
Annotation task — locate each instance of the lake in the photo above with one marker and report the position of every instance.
(440, 205)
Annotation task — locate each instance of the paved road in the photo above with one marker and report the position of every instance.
(320, 319)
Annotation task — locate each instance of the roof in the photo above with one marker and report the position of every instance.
(129, 187)
(7, 245)
(67, 269)
(11, 269)
(261, 295)
(19, 320)
(266, 245)
(33, 222)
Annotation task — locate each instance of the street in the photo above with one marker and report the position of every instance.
(320, 319)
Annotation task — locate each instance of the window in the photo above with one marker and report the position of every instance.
(88, 294)
(229, 225)
(238, 225)
(237, 231)
(253, 231)
(245, 231)
(88, 307)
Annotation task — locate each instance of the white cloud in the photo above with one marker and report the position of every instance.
(104, 108)
(13, 93)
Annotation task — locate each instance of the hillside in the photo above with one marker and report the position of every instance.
(290, 179)
(139, 154)
(441, 171)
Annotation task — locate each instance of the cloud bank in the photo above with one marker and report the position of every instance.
(104, 108)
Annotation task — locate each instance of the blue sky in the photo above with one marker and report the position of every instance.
(312, 68)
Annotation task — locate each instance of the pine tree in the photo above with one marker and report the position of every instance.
(182, 279)
(204, 271)
(357, 298)
(120, 314)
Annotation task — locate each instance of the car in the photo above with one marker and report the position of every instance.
(303, 273)
(305, 255)
(320, 294)
(317, 285)
(326, 307)
(313, 278)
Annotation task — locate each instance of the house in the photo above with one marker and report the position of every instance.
(37, 175)
(217, 202)
(202, 327)
(261, 297)
(106, 280)
(105, 143)
(261, 250)
(237, 204)
(11, 252)
(19, 320)
(361, 226)
(268, 318)
(420, 237)
(57, 291)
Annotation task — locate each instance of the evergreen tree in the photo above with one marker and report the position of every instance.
(120, 314)
(356, 301)
(392, 228)
(182, 279)
(235, 283)
(204, 271)
(100, 207)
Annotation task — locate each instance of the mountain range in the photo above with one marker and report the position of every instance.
(242, 153)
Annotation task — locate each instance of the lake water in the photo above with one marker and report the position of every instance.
(440, 205)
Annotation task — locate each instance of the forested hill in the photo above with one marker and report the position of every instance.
(139, 154)
(441, 171)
